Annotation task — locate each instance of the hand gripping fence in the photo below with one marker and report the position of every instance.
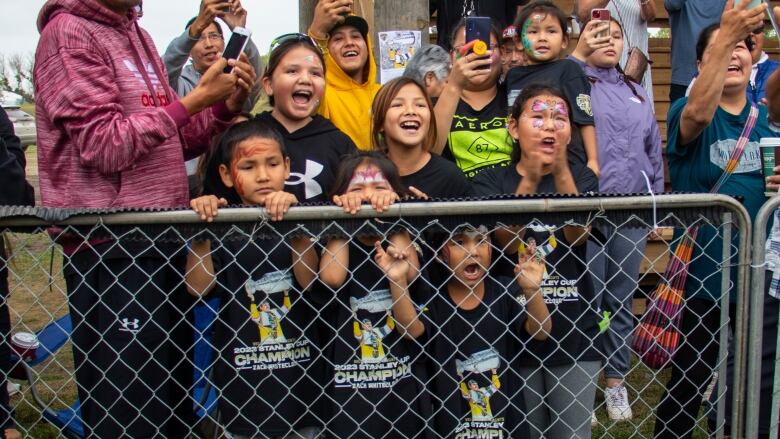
(417, 322)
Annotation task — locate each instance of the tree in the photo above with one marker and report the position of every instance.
(16, 74)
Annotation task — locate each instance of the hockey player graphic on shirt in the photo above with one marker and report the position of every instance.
(267, 318)
(479, 397)
(372, 349)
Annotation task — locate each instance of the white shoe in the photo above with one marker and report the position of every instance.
(618, 407)
(594, 421)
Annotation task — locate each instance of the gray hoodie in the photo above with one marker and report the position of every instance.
(183, 77)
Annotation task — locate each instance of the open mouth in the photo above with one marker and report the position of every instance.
(734, 68)
(302, 97)
(472, 271)
(410, 126)
(548, 144)
(350, 54)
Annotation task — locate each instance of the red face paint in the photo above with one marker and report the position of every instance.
(244, 150)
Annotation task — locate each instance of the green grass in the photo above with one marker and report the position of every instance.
(38, 296)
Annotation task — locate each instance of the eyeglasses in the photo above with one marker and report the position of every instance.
(278, 41)
(212, 36)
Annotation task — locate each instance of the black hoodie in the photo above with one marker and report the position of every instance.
(315, 153)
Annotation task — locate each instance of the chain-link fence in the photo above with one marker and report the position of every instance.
(482, 319)
(763, 380)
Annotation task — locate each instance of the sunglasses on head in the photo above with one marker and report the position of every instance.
(278, 41)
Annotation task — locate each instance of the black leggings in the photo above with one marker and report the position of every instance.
(692, 367)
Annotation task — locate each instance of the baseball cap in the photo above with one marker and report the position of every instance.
(357, 22)
(509, 33)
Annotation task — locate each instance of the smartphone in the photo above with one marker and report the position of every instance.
(478, 28)
(751, 3)
(601, 15)
(772, 17)
(236, 45)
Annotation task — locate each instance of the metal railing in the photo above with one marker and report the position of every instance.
(173, 236)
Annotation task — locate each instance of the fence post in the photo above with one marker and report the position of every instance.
(724, 317)
(756, 327)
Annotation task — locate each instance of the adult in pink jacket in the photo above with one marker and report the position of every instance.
(113, 133)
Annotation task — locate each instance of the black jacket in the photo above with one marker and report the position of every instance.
(14, 189)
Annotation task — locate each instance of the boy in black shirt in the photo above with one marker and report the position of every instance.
(263, 334)
(471, 326)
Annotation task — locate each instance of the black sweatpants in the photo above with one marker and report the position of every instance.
(6, 415)
(131, 340)
(692, 368)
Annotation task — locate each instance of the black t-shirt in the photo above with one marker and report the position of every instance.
(567, 287)
(565, 75)
(503, 181)
(449, 12)
(378, 380)
(439, 178)
(479, 140)
(316, 151)
(465, 347)
(264, 343)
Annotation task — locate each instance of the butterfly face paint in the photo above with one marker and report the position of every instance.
(367, 176)
(554, 108)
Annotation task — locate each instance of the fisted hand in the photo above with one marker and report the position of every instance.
(327, 14)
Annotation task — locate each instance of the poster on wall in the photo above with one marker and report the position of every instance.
(396, 48)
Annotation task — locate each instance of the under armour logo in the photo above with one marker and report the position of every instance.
(129, 325)
(313, 188)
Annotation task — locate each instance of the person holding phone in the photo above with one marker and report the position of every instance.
(450, 12)
(113, 133)
(203, 42)
(633, 16)
(703, 129)
(472, 107)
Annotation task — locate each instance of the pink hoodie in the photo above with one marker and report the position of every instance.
(110, 134)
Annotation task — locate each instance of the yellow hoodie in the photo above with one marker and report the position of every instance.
(346, 103)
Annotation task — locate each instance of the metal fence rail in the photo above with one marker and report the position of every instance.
(307, 326)
(756, 329)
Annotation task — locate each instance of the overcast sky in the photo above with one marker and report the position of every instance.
(163, 19)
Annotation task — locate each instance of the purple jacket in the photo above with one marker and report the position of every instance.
(628, 136)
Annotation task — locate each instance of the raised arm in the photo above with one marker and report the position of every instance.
(465, 68)
(334, 263)
(199, 275)
(530, 271)
(305, 260)
(396, 264)
(735, 25)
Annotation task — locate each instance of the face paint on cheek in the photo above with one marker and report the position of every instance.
(559, 125)
(238, 182)
(527, 45)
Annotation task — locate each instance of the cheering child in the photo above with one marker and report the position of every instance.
(294, 81)
(474, 325)
(403, 126)
(262, 335)
(377, 386)
(559, 373)
(544, 33)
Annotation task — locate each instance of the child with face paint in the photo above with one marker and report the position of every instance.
(294, 80)
(474, 326)
(629, 143)
(403, 126)
(370, 308)
(260, 395)
(543, 31)
(540, 123)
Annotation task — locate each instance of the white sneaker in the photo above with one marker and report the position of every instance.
(594, 421)
(618, 407)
